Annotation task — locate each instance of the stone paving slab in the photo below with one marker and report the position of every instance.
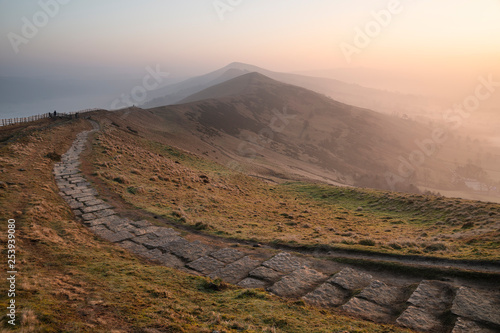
(103, 213)
(236, 271)
(115, 237)
(435, 296)
(141, 223)
(82, 185)
(251, 283)
(382, 294)
(141, 239)
(266, 274)
(103, 220)
(75, 180)
(477, 306)
(96, 208)
(428, 303)
(73, 204)
(152, 241)
(90, 191)
(66, 198)
(351, 279)
(98, 228)
(177, 241)
(119, 225)
(141, 231)
(170, 260)
(164, 232)
(227, 255)
(419, 319)
(298, 282)
(284, 262)
(88, 217)
(78, 194)
(327, 295)
(155, 232)
(77, 212)
(368, 310)
(125, 226)
(133, 247)
(165, 259)
(189, 251)
(101, 230)
(94, 202)
(466, 326)
(206, 265)
(71, 192)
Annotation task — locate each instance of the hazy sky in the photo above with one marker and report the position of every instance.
(105, 37)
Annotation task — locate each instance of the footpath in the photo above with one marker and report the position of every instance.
(433, 306)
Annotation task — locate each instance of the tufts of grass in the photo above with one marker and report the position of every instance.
(53, 156)
(435, 247)
(234, 205)
(252, 293)
(367, 242)
(213, 285)
(73, 281)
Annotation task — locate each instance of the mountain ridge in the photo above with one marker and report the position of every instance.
(277, 126)
(353, 94)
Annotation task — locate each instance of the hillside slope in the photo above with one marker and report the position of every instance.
(70, 280)
(207, 196)
(275, 129)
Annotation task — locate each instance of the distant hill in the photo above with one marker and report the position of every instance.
(353, 94)
(174, 93)
(279, 130)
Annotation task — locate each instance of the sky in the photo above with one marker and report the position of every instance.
(431, 41)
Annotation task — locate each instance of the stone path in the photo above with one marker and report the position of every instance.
(432, 306)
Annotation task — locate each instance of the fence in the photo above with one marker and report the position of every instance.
(13, 121)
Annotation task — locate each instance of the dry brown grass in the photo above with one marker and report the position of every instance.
(207, 196)
(72, 281)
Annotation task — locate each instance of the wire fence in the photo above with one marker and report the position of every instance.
(54, 115)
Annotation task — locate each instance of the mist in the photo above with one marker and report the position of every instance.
(423, 64)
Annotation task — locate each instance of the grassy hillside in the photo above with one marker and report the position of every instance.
(271, 125)
(71, 281)
(271, 128)
(204, 195)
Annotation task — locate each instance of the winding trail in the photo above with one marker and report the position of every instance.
(433, 306)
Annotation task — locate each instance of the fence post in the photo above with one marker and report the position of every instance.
(70, 115)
